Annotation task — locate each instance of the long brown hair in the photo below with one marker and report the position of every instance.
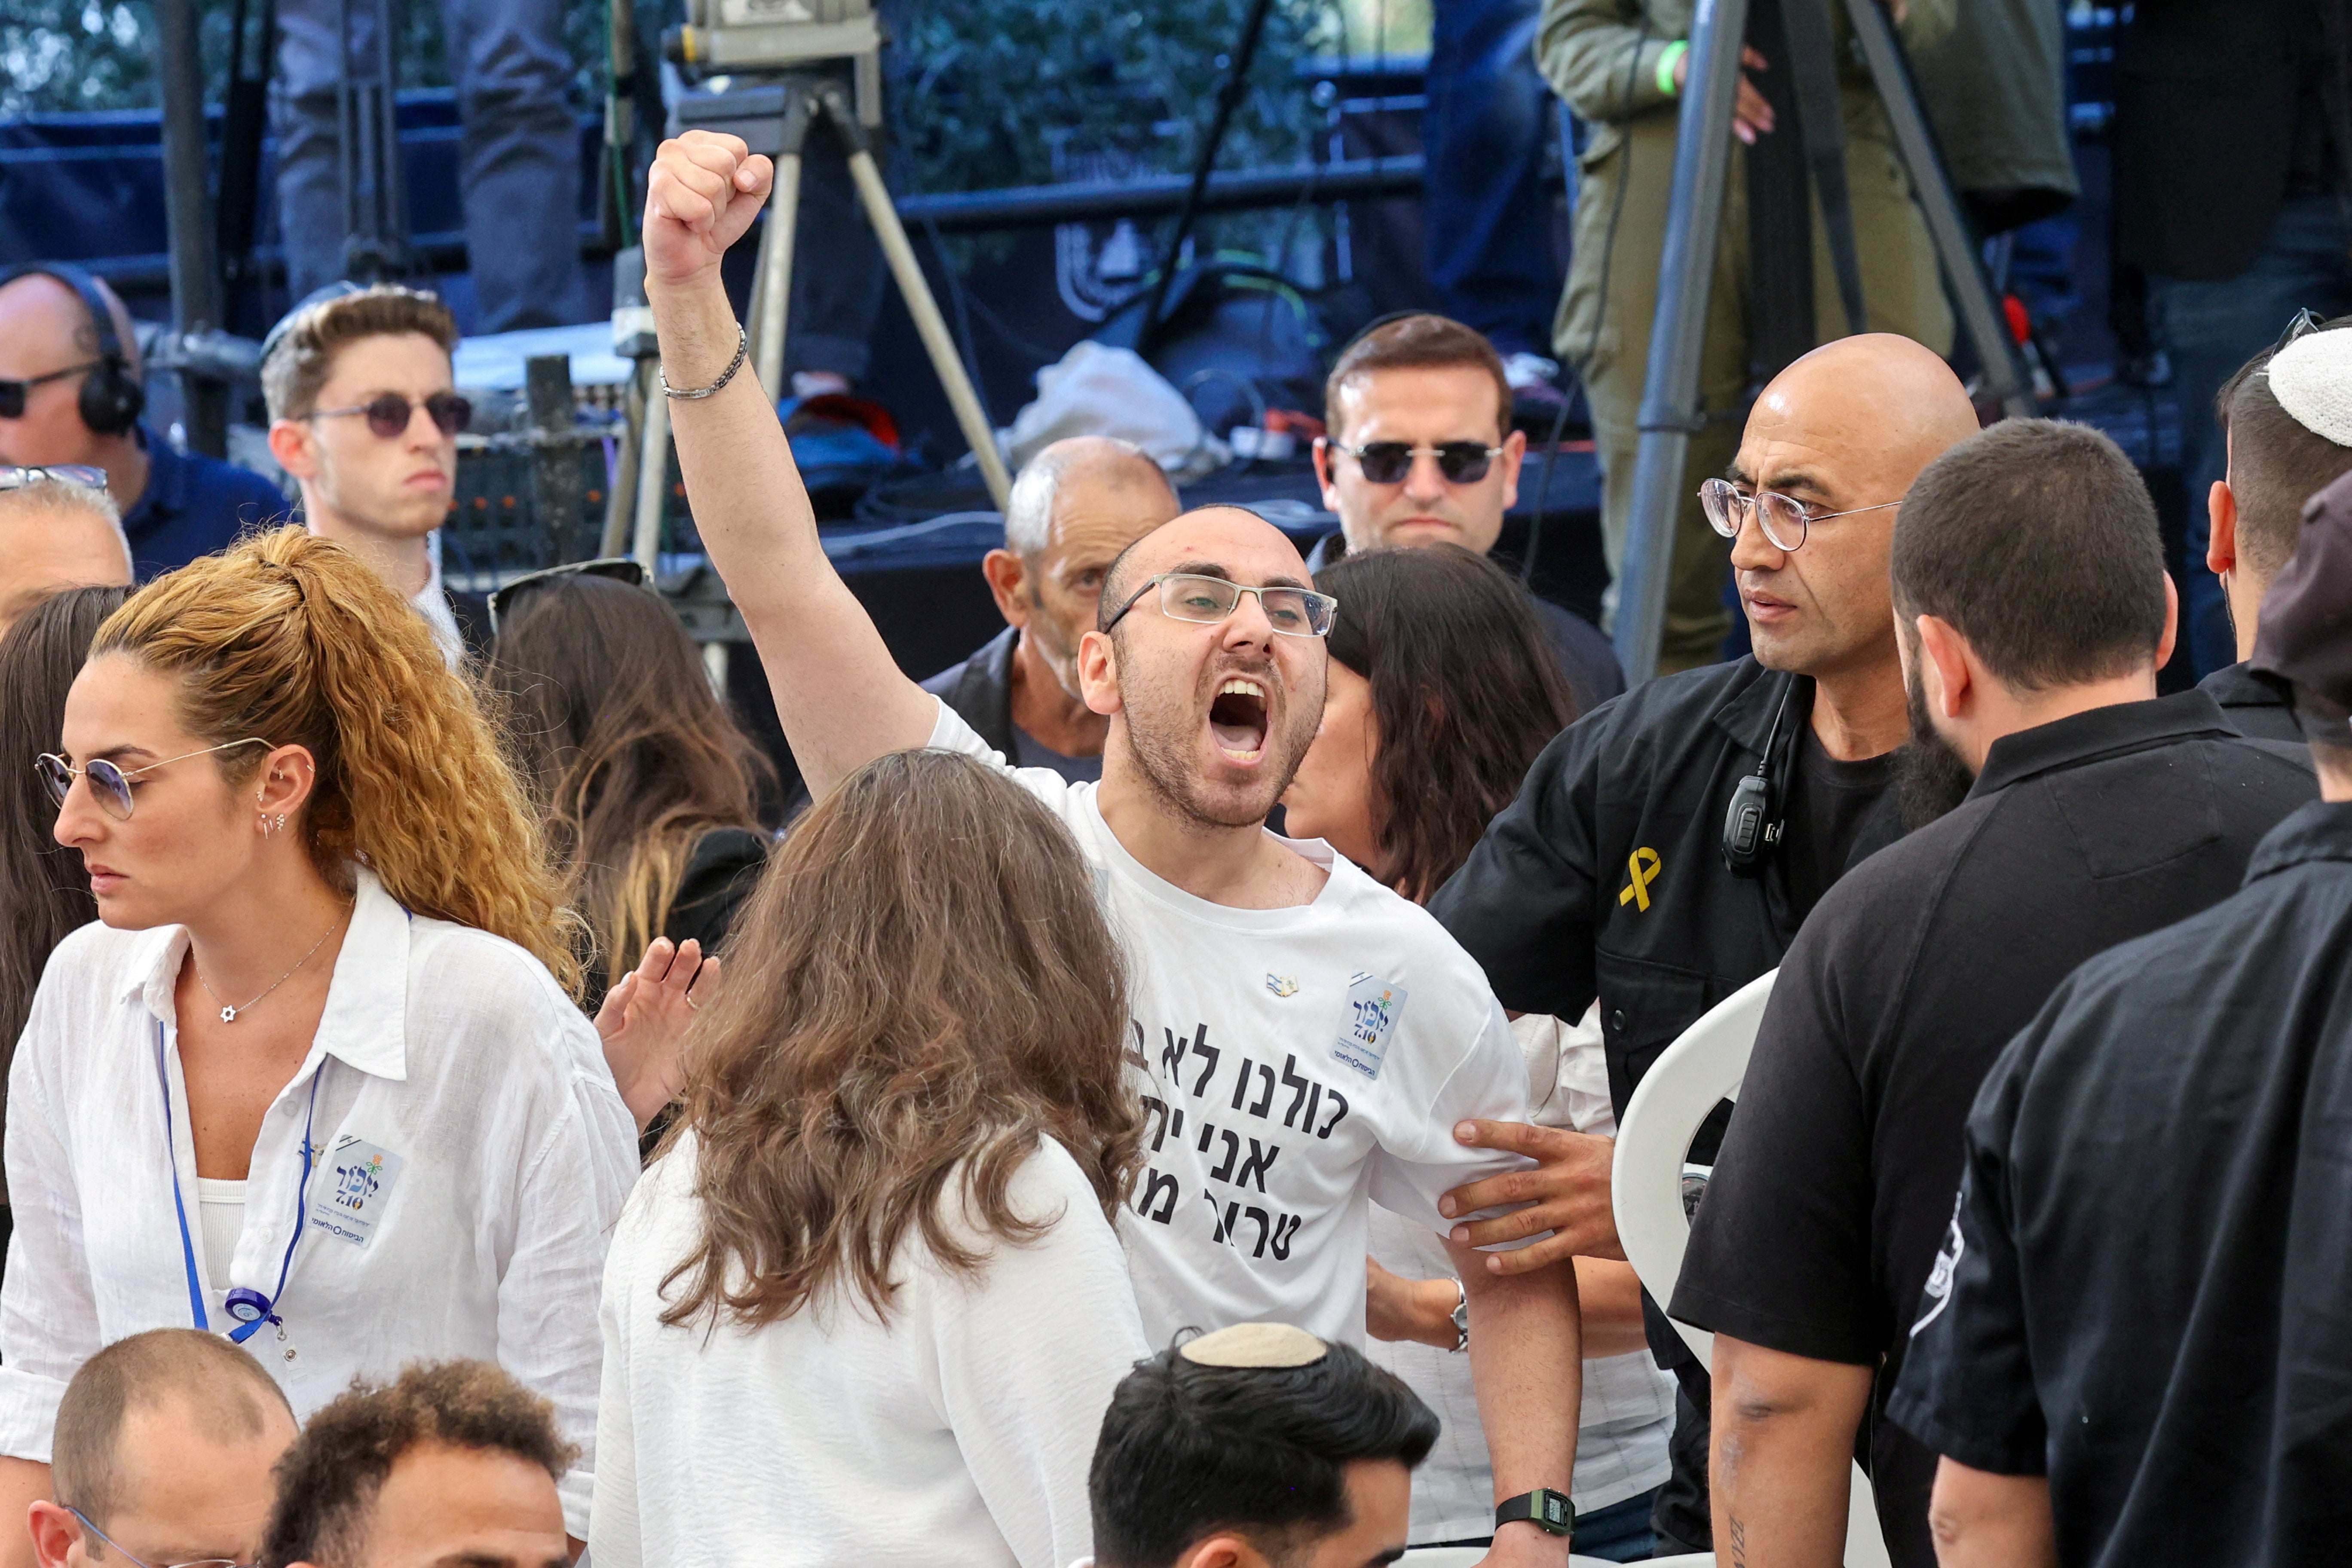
(921, 989)
(298, 641)
(1466, 689)
(42, 887)
(627, 748)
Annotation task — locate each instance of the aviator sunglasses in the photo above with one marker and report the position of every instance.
(109, 784)
(141, 1563)
(388, 415)
(13, 393)
(1388, 462)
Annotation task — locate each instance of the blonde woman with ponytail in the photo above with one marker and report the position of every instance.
(316, 1078)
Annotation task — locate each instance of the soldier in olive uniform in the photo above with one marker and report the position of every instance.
(1619, 64)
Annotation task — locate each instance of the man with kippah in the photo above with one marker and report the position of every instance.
(2286, 422)
(1259, 1444)
(2135, 1347)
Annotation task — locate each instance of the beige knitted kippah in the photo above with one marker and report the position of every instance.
(1255, 1344)
(2312, 379)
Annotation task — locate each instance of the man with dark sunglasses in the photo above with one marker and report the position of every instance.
(164, 1452)
(365, 412)
(1419, 450)
(70, 396)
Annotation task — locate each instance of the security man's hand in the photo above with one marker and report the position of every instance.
(1751, 115)
(1569, 1191)
(702, 195)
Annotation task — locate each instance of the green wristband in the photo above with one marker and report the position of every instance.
(1666, 60)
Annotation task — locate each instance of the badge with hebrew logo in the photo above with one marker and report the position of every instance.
(1373, 1007)
(351, 1189)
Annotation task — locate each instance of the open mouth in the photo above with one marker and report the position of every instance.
(1237, 719)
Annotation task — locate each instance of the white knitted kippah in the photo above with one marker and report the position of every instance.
(1255, 1344)
(2312, 379)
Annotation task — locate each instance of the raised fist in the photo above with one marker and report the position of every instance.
(703, 193)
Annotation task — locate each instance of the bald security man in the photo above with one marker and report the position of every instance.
(1074, 507)
(70, 393)
(1621, 874)
(55, 533)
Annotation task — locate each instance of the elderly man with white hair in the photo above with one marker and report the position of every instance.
(58, 529)
(1073, 508)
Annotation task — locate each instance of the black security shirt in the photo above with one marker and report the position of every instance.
(1830, 801)
(1834, 1185)
(2149, 1299)
(1605, 878)
(2253, 707)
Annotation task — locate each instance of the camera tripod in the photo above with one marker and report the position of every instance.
(779, 78)
(1670, 412)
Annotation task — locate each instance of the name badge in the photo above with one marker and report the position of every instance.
(348, 1203)
(1373, 1006)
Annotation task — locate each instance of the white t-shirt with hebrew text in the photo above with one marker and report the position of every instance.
(1292, 1064)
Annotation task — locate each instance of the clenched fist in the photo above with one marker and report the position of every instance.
(703, 193)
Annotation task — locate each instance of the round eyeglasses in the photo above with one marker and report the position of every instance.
(1190, 597)
(1783, 518)
(109, 784)
(388, 415)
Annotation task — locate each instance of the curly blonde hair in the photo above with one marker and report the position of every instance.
(296, 640)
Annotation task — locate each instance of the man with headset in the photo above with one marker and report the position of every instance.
(1666, 846)
(70, 394)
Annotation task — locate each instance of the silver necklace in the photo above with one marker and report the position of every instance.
(228, 1013)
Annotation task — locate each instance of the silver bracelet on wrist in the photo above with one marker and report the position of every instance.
(743, 347)
(1461, 1317)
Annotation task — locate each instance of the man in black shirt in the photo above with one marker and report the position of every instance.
(2033, 609)
(1608, 879)
(2143, 1318)
(2288, 439)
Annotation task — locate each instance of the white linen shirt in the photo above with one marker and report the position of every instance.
(507, 1157)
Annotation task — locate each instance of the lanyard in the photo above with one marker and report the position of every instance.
(249, 1306)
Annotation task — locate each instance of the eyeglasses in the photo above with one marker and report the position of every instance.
(110, 785)
(388, 415)
(2304, 321)
(16, 479)
(619, 568)
(1782, 518)
(1188, 597)
(1388, 462)
(13, 393)
(137, 1562)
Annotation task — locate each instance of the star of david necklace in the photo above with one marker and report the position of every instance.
(228, 1013)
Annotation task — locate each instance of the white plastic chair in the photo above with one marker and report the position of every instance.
(1653, 1136)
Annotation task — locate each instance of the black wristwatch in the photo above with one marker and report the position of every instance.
(1548, 1511)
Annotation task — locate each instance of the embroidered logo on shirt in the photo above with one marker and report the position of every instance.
(1938, 1288)
(1282, 984)
(1373, 1008)
(348, 1196)
(1642, 866)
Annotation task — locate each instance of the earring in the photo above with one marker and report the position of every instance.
(270, 825)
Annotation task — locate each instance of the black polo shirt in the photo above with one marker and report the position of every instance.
(2148, 1292)
(2253, 707)
(193, 505)
(1835, 1184)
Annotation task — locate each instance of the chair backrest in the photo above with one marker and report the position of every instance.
(1645, 1184)
(1646, 1188)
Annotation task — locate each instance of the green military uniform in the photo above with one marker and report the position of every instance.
(1602, 57)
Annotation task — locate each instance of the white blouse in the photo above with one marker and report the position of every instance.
(471, 1156)
(960, 1432)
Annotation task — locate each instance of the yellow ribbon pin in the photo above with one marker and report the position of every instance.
(1642, 865)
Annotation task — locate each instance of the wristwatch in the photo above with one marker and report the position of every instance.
(1548, 1511)
(1461, 1318)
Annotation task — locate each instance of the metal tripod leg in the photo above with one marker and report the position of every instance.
(653, 476)
(772, 288)
(1821, 120)
(933, 328)
(1980, 316)
(1670, 413)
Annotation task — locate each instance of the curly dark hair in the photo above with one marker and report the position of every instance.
(328, 1481)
